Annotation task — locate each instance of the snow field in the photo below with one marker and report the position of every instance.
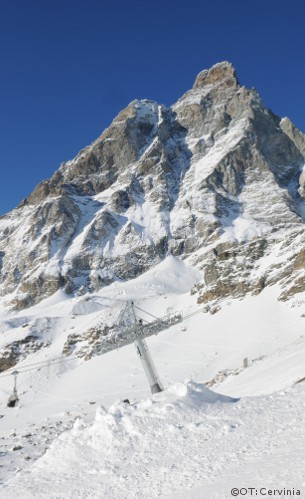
(187, 439)
(75, 438)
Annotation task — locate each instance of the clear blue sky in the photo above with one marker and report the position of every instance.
(68, 67)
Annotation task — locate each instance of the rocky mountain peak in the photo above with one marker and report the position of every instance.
(221, 73)
(216, 179)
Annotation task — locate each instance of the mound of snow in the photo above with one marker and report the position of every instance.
(125, 440)
(185, 442)
(172, 275)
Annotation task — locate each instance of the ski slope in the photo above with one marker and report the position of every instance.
(217, 424)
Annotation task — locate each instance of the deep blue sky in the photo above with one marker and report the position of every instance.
(68, 67)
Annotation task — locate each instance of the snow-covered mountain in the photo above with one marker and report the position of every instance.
(197, 208)
(215, 179)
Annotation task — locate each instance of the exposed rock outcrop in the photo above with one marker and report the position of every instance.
(216, 179)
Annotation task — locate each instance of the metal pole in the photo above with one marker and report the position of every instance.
(146, 359)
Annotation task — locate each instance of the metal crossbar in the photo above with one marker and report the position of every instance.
(127, 335)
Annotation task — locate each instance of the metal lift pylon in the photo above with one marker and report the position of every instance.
(144, 354)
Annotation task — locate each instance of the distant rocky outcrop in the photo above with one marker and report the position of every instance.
(216, 179)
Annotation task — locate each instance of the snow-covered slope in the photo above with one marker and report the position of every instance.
(186, 442)
(178, 443)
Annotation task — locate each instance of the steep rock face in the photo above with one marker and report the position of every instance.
(217, 179)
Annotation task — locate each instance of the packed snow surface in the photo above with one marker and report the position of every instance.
(187, 439)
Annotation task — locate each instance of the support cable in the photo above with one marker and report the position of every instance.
(35, 366)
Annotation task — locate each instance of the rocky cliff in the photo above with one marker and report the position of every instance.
(216, 179)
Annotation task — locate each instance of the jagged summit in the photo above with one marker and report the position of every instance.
(216, 179)
(222, 72)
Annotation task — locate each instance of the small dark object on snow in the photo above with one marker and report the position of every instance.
(17, 447)
(12, 401)
(126, 401)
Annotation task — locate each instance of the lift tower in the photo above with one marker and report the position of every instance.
(129, 318)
